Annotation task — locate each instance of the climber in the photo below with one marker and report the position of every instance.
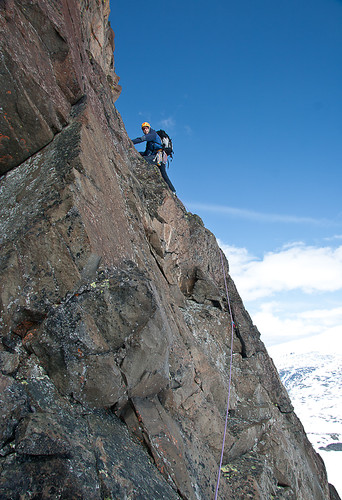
(154, 152)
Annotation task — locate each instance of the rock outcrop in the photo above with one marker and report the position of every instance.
(115, 326)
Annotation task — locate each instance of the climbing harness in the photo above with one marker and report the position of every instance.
(230, 375)
(160, 158)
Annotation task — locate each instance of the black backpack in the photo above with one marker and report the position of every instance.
(166, 142)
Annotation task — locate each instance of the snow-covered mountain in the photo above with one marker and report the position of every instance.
(314, 383)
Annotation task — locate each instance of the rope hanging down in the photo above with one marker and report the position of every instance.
(230, 375)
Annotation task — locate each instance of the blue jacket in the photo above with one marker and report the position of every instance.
(153, 142)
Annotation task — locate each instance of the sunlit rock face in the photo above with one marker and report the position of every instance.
(115, 326)
(52, 55)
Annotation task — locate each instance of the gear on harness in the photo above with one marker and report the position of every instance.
(160, 158)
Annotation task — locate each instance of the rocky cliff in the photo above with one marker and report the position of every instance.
(115, 326)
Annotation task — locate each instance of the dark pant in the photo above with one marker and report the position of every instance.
(150, 159)
(166, 177)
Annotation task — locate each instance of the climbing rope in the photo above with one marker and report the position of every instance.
(230, 376)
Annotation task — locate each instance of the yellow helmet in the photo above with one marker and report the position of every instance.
(145, 124)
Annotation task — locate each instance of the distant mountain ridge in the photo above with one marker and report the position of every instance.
(313, 381)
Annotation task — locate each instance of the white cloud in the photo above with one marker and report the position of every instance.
(257, 216)
(146, 116)
(327, 342)
(168, 123)
(270, 319)
(334, 238)
(279, 323)
(289, 292)
(295, 267)
(327, 317)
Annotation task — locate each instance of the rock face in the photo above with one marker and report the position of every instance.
(115, 327)
(52, 55)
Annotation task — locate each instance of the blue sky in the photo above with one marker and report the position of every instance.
(251, 94)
